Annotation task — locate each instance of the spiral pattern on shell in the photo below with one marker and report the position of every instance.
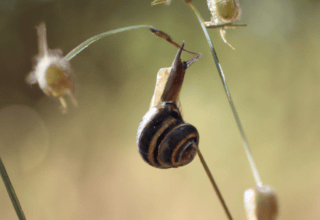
(164, 140)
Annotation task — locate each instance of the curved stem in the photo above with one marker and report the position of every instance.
(93, 39)
(215, 57)
(215, 187)
(11, 192)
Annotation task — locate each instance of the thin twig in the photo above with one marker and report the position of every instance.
(215, 187)
(11, 192)
(215, 57)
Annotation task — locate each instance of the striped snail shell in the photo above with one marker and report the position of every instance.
(164, 139)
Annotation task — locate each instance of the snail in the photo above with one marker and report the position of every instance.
(164, 140)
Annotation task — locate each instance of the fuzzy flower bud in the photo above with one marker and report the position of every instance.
(261, 203)
(52, 71)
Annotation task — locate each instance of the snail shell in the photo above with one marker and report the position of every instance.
(164, 139)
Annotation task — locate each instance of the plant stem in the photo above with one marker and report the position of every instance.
(226, 26)
(93, 39)
(215, 57)
(215, 187)
(11, 192)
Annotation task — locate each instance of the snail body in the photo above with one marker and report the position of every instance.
(164, 140)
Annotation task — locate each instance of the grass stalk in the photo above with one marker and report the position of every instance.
(11, 192)
(215, 187)
(93, 39)
(219, 68)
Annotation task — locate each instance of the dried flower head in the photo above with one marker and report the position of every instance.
(223, 14)
(223, 11)
(261, 203)
(52, 71)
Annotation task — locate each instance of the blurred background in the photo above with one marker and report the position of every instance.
(85, 164)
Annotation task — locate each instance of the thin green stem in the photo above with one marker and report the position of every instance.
(11, 192)
(93, 39)
(215, 57)
(215, 187)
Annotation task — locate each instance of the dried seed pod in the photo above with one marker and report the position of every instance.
(223, 11)
(52, 71)
(223, 14)
(261, 203)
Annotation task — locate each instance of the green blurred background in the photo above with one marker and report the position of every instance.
(85, 164)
